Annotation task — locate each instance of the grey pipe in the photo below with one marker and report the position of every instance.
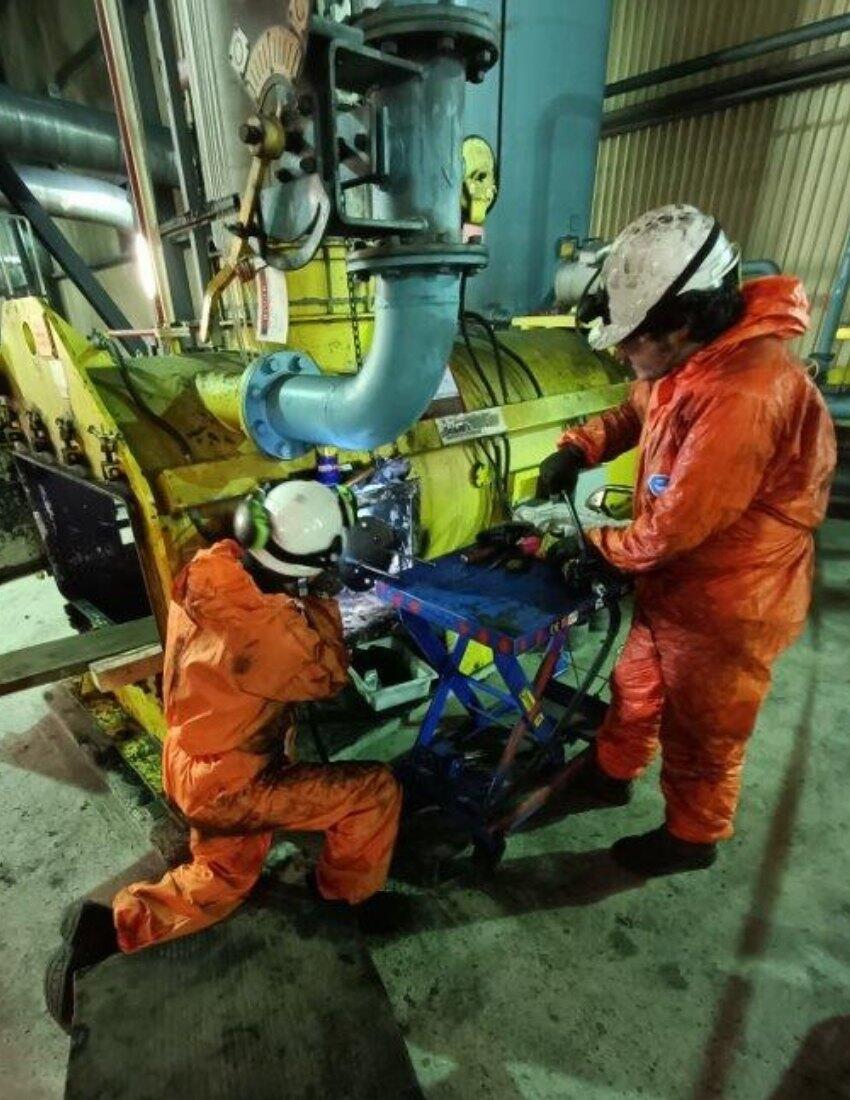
(733, 91)
(56, 131)
(415, 327)
(743, 52)
(838, 404)
(78, 198)
(417, 281)
(753, 269)
(822, 352)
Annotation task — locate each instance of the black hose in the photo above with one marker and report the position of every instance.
(524, 367)
(470, 351)
(479, 319)
(499, 348)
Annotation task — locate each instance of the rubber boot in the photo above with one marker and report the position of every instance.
(592, 788)
(382, 914)
(89, 937)
(661, 853)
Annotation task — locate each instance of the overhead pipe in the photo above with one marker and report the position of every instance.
(755, 269)
(744, 51)
(77, 198)
(733, 91)
(45, 130)
(286, 403)
(23, 202)
(822, 352)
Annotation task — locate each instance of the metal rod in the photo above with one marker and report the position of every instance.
(23, 201)
(822, 352)
(752, 269)
(756, 47)
(779, 79)
(191, 187)
(89, 50)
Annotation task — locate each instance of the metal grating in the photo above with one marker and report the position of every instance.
(773, 171)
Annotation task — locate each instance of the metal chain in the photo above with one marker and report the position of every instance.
(355, 320)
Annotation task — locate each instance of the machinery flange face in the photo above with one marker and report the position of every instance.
(261, 378)
(470, 34)
(401, 259)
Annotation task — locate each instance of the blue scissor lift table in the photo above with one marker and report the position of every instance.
(512, 614)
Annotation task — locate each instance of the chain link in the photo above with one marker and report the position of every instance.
(355, 319)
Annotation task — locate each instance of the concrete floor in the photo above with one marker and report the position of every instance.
(560, 978)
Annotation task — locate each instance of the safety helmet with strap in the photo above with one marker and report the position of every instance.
(295, 529)
(663, 253)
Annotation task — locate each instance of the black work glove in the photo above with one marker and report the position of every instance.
(559, 472)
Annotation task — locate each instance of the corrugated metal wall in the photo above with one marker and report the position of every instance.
(775, 172)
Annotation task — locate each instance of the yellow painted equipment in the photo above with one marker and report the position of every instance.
(67, 403)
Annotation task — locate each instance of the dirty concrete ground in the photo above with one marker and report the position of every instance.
(560, 977)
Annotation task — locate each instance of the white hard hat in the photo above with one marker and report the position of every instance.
(295, 529)
(664, 252)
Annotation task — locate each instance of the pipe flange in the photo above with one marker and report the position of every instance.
(434, 29)
(405, 259)
(265, 374)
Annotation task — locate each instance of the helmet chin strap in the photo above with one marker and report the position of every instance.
(272, 583)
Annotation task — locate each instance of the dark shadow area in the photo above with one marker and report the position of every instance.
(42, 750)
(730, 1018)
(304, 1013)
(821, 1069)
(532, 884)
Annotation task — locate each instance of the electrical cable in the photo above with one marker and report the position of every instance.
(524, 367)
(470, 351)
(479, 319)
(499, 349)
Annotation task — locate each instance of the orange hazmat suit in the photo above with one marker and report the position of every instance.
(236, 660)
(737, 450)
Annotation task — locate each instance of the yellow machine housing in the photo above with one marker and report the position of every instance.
(178, 466)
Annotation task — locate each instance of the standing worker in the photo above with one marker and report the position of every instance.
(736, 451)
(242, 647)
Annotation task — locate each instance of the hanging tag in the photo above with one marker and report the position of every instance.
(272, 306)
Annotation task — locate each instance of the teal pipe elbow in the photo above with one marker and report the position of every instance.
(415, 326)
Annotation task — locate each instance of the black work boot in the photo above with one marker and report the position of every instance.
(590, 787)
(381, 914)
(89, 937)
(661, 853)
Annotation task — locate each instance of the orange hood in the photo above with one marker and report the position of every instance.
(775, 306)
(215, 585)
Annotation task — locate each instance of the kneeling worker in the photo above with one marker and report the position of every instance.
(242, 647)
(737, 450)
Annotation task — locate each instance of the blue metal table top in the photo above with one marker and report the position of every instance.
(509, 612)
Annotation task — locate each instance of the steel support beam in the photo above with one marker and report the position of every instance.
(24, 203)
(772, 80)
(135, 41)
(745, 51)
(191, 185)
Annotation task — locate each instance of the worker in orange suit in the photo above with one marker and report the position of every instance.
(736, 453)
(245, 642)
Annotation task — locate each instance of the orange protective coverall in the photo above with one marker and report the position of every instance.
(737, 450)
(234, 659)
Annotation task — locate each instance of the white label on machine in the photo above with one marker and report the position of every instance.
(473, 425)
(272, 306)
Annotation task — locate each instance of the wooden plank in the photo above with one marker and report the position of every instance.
(49, 661)
(127, 668)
